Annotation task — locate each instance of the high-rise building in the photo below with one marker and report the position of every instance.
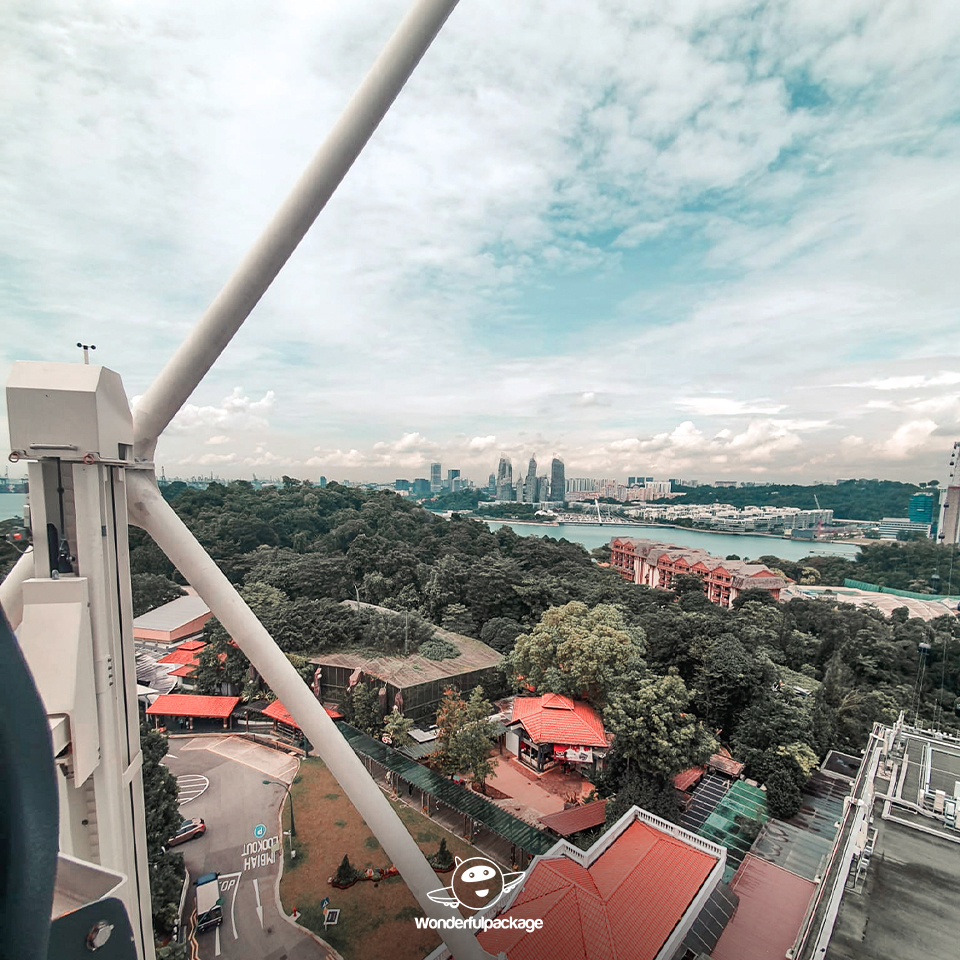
(436, 482)
(558, 482)
(492, 484)
(452, 481)
(530, 482)
(322, 482)
(505, 479)
(921, 508)
(421, 487)
(401, 485)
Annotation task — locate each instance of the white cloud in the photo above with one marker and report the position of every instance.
(910, 382)
(482, 444)
(573, 216)
(236, 411)
(724, 407)
(907, 438)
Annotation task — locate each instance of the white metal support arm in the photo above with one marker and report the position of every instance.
(150, 511)
(187, 367)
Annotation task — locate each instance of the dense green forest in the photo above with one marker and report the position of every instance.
(849, 500)
(917, 565)
(673, 674)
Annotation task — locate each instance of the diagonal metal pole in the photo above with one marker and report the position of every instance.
(215, 329)
(150, 511)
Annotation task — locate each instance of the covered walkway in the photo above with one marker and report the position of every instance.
(476, 813)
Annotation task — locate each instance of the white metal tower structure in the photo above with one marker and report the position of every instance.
(91, 462)
(948, 521)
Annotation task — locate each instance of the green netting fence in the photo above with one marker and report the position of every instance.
(875, 588)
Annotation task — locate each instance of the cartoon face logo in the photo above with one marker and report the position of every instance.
(477, 883)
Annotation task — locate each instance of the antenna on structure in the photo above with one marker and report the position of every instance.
(104, 446)
(86, 348)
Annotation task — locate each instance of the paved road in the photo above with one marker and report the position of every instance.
(242, 817)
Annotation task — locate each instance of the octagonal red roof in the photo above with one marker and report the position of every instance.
(556, 719)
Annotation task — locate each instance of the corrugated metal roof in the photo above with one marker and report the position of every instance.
(192, 705)
(453, 795)
(172, 615)
(765, 892)
(414, 669)
(623, 906)
(578, 818)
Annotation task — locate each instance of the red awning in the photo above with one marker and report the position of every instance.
(192, 705)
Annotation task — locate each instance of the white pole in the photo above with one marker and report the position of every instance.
(11, 590)
(184, 371)
(150, 511)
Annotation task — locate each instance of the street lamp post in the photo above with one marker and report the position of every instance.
(286, 787)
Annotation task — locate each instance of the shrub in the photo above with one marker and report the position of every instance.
(438, 649)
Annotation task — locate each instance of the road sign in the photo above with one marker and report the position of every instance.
(331, 917)
(259, 830)
(324, 902)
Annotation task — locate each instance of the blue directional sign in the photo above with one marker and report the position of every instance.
(259, 830)
(324, 902)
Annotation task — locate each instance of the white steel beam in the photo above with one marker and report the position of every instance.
(215, 329)
(148, 509)
(11, 590)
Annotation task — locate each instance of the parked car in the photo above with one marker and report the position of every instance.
(189, 830)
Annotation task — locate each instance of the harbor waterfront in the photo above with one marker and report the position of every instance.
(11, 505)
(744, 545)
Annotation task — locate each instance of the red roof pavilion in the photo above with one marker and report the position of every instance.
(192, 705)
(556, 719)
(277, 711)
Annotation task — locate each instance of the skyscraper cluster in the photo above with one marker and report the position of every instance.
(529, 487)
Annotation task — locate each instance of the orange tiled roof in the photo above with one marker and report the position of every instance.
(185, 671)
(687, 778)
(180, 656)
(277, 711)
(622, 907)
(190, 705)
(556, 719)
(191, 645)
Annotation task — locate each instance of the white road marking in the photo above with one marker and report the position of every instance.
(233, 905)
(191, 786)
(256, 890)
(217, 945)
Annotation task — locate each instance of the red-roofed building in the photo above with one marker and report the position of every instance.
(655, 564)
(185, 671)
(634, 895)
(584, 817)
(687, 779)
(179, 655)
(277, 712)
(190, 707)
(553, 729)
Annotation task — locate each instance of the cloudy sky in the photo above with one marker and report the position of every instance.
(709, 238)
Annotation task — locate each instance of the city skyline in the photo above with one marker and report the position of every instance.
(716, 241)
